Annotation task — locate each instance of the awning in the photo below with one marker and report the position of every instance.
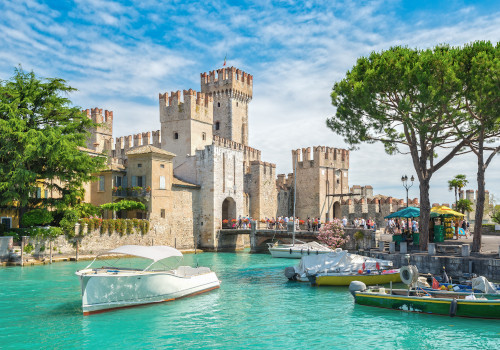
(444, 211)
(155, 253)
(410, 212)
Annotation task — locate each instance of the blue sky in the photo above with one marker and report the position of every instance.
(120, 55)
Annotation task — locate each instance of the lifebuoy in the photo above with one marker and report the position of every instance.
(409, 274)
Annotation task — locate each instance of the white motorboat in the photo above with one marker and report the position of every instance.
(338, 266)
(297, 250)
(106, 288)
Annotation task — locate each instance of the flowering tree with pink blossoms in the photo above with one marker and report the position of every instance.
(332, 234)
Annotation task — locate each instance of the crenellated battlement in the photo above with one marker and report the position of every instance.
(123, 144)
(250, 153)
(188, 105)
(105, 120)
(284, 182)
(321, 157)
(227, 80)
(263, 168)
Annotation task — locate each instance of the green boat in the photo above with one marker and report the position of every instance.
(418, 301)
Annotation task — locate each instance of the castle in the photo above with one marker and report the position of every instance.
(198, 172)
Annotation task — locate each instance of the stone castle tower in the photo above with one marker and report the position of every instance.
(186, 123)
(231, 91)
(101, 137)
(321, 178)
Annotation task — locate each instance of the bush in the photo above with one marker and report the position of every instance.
(120, 226)
(86, 210)
(28, 248)
(68, 222)
(359, 235)
(104, 226)
(130, 227)
(496, 216)
(145, 227)
(332, 234)
(37, 217)
(124, 205)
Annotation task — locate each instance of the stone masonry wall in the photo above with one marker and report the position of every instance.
(220, 174)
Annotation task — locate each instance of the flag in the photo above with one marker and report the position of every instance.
(224, 60)
(435, 283)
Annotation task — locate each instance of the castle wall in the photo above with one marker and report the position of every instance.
(262, 190)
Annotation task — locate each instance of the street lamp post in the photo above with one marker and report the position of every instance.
(404, 180)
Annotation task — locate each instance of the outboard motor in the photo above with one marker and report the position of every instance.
(290, 273)
(356, 286)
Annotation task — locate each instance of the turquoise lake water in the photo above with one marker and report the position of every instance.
(255, 308)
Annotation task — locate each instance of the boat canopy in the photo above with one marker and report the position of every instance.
(155, 253)
(338, 261)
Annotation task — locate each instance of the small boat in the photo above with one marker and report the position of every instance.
(343, 279)
(421, 301)
(339, 268)
(106, 288)
(479, 286)
(415, 299)
(297, 250)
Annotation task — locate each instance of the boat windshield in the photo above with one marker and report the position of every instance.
(139, 258)
(127, 262)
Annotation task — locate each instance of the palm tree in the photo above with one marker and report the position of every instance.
(464, 205)
(457, 183)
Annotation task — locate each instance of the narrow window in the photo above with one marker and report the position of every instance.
(101, 183)
(223, 172)
(139, 165)
(38, 192)
(217, 125)
(162, 183)
(176, 136)
(162, 213)
(218, 104)
(140, 181)
(203, 136)
(236, 104)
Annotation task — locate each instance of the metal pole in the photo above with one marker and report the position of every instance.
(23, 238)
(294, 196)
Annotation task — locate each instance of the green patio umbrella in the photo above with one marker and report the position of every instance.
(410, 212)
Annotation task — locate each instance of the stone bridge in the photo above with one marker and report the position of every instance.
(257, 239)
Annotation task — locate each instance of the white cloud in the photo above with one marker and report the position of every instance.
(120, 56)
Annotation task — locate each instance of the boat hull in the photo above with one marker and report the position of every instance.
(104, 291)
(345, 280)
(290, 253)
(438, 306)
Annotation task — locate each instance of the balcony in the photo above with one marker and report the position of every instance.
(132, 192)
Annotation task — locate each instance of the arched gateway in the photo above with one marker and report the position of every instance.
(228, 209)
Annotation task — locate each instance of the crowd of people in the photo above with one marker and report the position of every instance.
(399, 226)
(367, 224)
(310, 224)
